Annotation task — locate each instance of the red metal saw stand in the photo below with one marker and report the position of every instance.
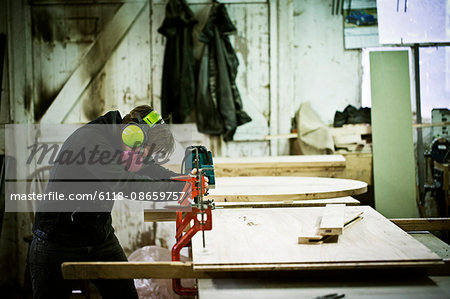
(188, 223)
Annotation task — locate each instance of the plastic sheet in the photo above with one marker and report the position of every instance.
(156, 288)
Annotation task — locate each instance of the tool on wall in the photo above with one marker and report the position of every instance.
(337, 6)
(197, 213)
(405, 6)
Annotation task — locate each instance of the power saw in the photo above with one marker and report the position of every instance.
(193, 205)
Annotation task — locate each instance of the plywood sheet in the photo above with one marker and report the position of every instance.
(266, 239)
(283, 188)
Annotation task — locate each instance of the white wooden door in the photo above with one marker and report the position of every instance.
(88, 58)
(251, 44)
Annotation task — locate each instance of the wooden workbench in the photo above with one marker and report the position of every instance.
(257, 239)
(393, 283)
(366, 285)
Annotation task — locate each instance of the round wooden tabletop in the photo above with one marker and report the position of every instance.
(278, 188)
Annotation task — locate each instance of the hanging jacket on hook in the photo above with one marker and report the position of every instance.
(219, 105)
(178, 83)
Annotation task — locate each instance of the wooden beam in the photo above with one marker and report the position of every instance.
(151, 215)
(19, 55)
(281, 136)
(332, 220)
(428, 125)
(127, 270)
(93, 62)
(418, 224)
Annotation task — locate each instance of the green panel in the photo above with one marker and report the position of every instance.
(392, 135)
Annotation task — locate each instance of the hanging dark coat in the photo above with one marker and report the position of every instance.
(178, 82)
(219, 105)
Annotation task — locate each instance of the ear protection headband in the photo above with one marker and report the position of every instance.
(134, 134)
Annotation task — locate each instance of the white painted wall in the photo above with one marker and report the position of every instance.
(325, 74)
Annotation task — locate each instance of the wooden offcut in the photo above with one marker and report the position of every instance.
(332, 220)
(319, 239)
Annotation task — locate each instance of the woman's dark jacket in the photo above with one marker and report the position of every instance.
(83, 223)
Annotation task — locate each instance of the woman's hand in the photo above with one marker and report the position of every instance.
(194, 172)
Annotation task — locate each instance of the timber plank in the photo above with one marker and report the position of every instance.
(332, 220)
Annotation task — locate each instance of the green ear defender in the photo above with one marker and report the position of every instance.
(134, 134)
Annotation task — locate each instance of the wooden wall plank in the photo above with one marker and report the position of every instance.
(274, 40)
(20, 61)
(251, 44)
(285, 72)
(92, 63)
